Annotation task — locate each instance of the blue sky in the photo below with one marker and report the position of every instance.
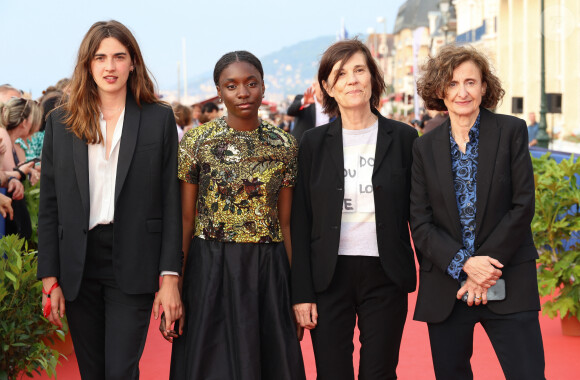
(39, 39)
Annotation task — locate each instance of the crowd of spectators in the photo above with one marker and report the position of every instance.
(22, 122)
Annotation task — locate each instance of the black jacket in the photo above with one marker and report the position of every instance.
(317, 206)
(504, 211)
(147, 221)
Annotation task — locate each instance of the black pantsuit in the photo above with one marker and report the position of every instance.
(109, 275)
(504, 211)
(374, 289)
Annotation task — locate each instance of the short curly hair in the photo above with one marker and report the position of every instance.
(342, 51)
(437, 73)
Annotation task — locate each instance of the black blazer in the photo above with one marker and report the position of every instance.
(504, 211)
(317, 206)
(305, 118)
(147, 221)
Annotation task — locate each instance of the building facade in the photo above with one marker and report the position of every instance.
(412, 44)
(442, 25)
(509, 33)
(518, 60)
(381, 46)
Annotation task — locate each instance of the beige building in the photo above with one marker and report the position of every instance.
(477, 22)
(509, 32)
(518, 61)
(412, 44)
(442, 25)
(404, 56)
(381, 47)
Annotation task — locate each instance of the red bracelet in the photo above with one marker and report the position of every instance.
(48, 306)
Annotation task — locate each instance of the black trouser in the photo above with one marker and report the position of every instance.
(108, 327)
(516, 339)
(360, 289)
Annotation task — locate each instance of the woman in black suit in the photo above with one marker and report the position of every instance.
(110, 220)
(350, 236)
(472, 202)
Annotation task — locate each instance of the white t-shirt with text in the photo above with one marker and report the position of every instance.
(358, 236)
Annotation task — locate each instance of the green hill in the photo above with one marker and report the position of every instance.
(287, 72)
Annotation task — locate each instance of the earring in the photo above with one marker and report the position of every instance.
(220, 100)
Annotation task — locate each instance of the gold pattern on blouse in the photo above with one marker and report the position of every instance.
(239, 174)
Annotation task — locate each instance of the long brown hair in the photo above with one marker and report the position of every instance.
(82, 104)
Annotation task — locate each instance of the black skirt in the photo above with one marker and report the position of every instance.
(239, 323)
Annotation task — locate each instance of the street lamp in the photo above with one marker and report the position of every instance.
(543, 138)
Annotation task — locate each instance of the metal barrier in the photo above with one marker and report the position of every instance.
(556, 155)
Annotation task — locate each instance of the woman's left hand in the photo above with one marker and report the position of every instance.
(475, 294)
(483, 270)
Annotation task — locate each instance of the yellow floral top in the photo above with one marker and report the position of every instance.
(239, 174)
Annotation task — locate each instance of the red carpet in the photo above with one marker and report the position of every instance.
(562, 354)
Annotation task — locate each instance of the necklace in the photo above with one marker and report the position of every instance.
(460, 140)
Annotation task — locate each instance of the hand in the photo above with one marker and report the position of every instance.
(27, 167)
(299, 329)
(168, 335)
(16, 188)
(34, 176)
(475, 293)
(181, 323)
(56, 301)
(6, 206)
(306, 315)
(299, 332)
(308, 96)
(169, 297)
(483, 270)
